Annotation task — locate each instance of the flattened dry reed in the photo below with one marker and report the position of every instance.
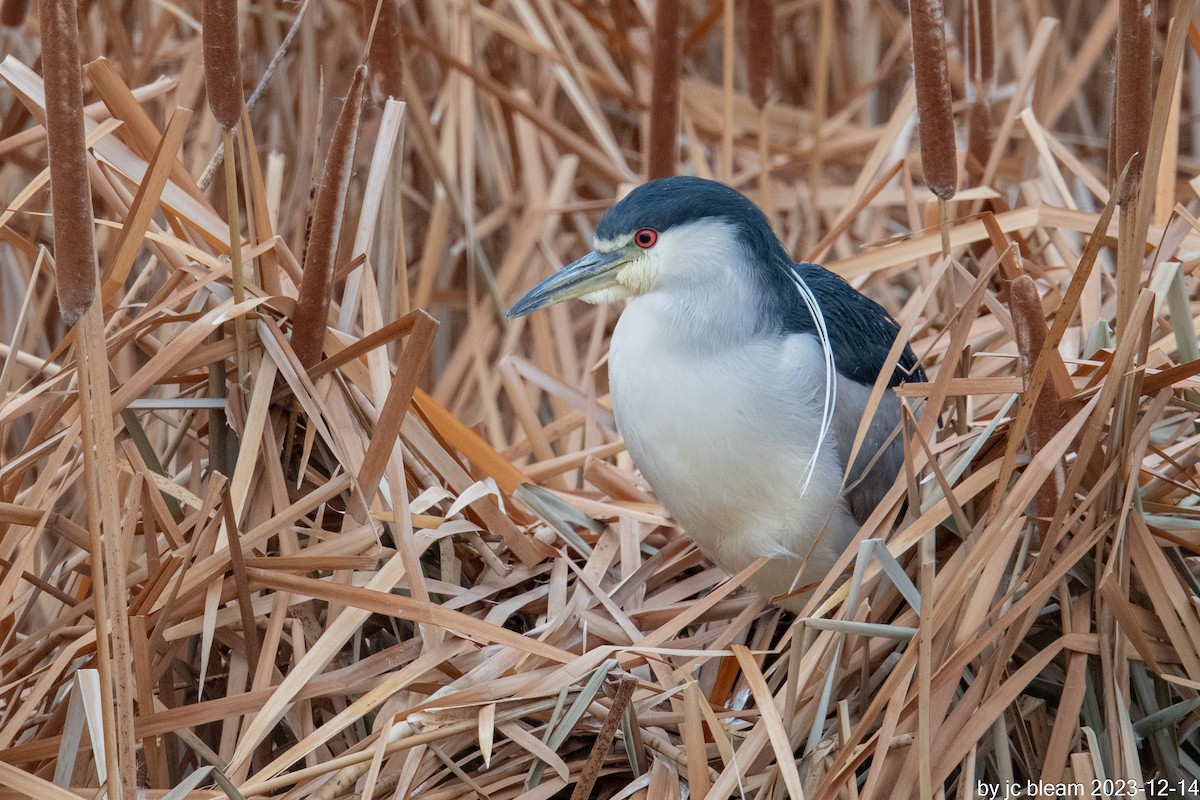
(449, 593)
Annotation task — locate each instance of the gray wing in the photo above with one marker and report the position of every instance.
(878, 460)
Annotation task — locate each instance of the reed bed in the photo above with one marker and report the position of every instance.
(412, 558)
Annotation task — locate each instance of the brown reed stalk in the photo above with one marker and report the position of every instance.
(664, 91)
(760, 49)
(74, 249)
(934, 110)
(316, 282)
(385, 50)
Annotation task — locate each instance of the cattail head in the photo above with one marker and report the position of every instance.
(980, 138)
(1133, 95)
(222, 60)
(981, 43)
(760, 49)
(385, 53)
(934, 107)
(316, 282)
(664, 91)
(70, 194)
(12, 13)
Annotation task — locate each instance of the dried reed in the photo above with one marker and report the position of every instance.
(449, 581)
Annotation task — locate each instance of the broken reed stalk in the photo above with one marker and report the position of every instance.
(1132, 103)
(664, 91)
(77, 277)
(385, 49)
(223, 82)
(316, 281)
(237, 270)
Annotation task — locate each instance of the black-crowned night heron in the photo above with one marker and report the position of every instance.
(718, 370)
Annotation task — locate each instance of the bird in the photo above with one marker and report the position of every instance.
(738, 379)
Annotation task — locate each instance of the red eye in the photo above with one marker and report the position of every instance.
(645, 238)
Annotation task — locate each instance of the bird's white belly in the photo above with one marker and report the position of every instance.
(724, 436)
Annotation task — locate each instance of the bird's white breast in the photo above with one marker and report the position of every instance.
(723, 431)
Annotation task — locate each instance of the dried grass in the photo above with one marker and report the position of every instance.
(418, 562)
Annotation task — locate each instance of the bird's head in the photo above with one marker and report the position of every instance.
(671, 232)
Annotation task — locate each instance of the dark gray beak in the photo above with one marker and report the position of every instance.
(597, 270)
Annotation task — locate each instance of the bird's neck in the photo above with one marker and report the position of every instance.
(700, 315)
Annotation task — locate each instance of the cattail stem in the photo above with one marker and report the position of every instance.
(223, 81)
(240, 333)
(664, 91)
